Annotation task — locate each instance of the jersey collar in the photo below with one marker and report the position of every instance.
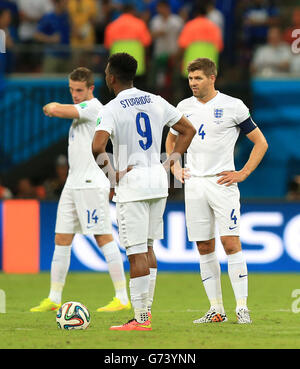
(208, 102)
(131, 90)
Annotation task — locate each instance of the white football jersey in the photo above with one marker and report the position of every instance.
(83, 169)
(135, 120)
(217, 123)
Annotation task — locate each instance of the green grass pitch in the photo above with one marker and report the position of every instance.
(179, 299)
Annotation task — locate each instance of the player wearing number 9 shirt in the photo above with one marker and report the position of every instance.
(134, 122)
(211, 190)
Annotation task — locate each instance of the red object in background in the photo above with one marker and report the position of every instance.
(21, 236)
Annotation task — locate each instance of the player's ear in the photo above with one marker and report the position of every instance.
(113, 79)
(212, 78)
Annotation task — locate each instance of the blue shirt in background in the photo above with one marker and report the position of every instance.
(51, 24)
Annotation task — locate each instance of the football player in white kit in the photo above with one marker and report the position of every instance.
(211, 190)
(134, 122)
(84, 203)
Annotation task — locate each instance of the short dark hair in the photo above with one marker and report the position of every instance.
(207, 66)
(123, 66)
(82, 74)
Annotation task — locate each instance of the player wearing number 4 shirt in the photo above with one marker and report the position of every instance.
(134, 122)
(84, 203)
(211, 190)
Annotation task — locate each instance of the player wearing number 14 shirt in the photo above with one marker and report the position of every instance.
(84, 203)
(211, 190)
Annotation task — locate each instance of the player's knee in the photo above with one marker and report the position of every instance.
(103, 239)
(231, 244)
(206, 247)
(63, 239)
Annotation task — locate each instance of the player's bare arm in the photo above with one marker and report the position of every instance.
(186, 133)
(99, 144)
(99, 151)
(180, 173)
(66, 111)
(257, 153)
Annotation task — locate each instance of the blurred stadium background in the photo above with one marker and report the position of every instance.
(259, 63)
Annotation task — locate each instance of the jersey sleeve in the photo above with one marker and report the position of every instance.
(172, 130)
(105, 121)
(243, 118)
(175, 133)
(241, 112)
(171, 114)
(87, 110)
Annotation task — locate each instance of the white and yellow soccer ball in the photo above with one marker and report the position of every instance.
(73, 315)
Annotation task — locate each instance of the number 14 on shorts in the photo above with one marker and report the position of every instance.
(92, 217)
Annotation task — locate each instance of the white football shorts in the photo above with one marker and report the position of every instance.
(84, 211)
(207, 205)
(140, 221)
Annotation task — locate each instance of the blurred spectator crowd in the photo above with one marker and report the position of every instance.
(50, 189)
(52, 36)
(245, 38)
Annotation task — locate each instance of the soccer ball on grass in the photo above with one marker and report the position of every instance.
(73, 315)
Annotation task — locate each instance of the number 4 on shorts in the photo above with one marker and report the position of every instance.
(233, 217)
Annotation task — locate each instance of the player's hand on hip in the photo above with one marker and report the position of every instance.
(111, 194)
(122, 173)
(230, 177)
(181, 174)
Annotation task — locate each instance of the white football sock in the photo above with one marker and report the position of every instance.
(139, 291)
(153, 274)
(210, 272)
(59, 270)
(113, 257)
(238, 274)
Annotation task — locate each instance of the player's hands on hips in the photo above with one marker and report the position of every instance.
(122, 173)
(230, 177)
(181, 174)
